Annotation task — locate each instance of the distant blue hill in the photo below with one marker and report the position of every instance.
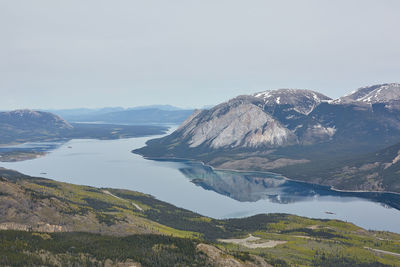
(155, 114)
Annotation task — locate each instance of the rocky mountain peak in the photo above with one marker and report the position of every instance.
(381, 93)
(303, 101)
(240, 122)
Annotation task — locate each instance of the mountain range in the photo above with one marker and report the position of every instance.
(154, 114)
(301, 134)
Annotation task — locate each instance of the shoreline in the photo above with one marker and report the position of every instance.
(22, 156)
(320, 215)
(267, 172)
(15, 155)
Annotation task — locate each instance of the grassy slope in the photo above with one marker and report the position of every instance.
(35, 202)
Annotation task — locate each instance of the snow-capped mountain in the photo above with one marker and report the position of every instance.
(287, 117)
(382, 93)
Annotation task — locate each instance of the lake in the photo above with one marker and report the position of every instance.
(193, 186)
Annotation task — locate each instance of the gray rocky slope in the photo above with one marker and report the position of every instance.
(249, 121)
(288, 117)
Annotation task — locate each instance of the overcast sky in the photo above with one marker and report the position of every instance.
(64, 54)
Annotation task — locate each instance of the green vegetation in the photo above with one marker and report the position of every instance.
(66, 249)
(313, 242)
(69, 224)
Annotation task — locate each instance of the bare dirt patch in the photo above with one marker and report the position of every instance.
(253, 242)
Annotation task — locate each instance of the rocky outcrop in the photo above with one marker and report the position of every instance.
(40, 227)
(237, 123)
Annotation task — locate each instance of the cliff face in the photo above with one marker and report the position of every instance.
(240, 122)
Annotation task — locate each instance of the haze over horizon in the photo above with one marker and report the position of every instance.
(93, 54)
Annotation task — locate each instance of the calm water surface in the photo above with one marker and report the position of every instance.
(218, 194)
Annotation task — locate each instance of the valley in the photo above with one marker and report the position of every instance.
(215, 193)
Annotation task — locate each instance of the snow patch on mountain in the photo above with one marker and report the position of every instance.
(301, 100)
(381, 93)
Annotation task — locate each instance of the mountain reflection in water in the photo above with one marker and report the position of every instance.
(254, 186)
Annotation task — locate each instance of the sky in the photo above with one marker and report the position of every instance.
(190, 53)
